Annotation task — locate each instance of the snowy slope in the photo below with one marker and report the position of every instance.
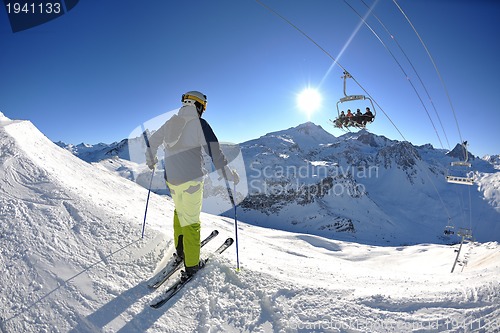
(58, 220)
(72, 260)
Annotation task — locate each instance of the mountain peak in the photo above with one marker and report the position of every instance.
(366, 137)
(492, 159)
(459, 152)
(3, 117)
(309, 129)
(307, 126)
(307, 134)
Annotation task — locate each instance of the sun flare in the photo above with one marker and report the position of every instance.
(309, 100)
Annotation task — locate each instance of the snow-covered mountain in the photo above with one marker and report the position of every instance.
(360, 186)
(493, 159)
(72, 260)
(369, 188)
(100, 151)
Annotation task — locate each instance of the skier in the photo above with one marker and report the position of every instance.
(183, 136)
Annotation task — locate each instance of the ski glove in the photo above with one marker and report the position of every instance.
(231, 175)
(151, 162)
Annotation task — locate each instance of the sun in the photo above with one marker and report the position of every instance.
(309, 100)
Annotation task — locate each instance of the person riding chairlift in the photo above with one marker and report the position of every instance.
(367, 116)
(340, 120)
(349, 117)
(358, 117)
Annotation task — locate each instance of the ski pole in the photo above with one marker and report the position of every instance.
(146, 140)
(147, 202)
(236, 232)
(231, 198)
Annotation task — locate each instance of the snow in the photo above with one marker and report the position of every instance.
(3, 119)
(381, 192)
(378, 185)
(489, 184)
(493, 159)
(73, 261)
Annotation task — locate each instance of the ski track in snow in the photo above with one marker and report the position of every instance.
(73, 261)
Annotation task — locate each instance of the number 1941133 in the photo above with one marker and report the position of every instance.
(33, 8)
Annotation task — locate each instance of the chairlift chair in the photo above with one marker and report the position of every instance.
(469, 176)
(350, 98)
(460, 180)
(465, 162)
(449, 229)
(466, 233)
(461, 163)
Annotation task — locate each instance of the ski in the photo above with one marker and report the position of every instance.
(179, 284)
(171, 267)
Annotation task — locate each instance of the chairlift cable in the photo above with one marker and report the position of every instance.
(435, 67)
(418, 95)
(331, 57)
(447, 95)
(301, 31)
(366, 92)
(414, 69)
(470, 210)
(400, 67)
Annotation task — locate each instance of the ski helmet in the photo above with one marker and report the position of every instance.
(194, 97)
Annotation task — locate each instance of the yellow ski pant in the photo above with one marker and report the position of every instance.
(188, 199)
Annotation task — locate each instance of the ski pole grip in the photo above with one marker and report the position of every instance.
(146, 140)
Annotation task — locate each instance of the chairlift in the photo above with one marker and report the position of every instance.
(354, 121)
(465, 162)
(450, 228)
(460, 180)
(465, 233)
(461, 163)
(469, 176)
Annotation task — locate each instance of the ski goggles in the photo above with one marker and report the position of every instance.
(195, 98)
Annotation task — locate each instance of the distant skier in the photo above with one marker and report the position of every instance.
(183, 137)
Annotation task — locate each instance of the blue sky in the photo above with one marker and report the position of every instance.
(102, 69)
